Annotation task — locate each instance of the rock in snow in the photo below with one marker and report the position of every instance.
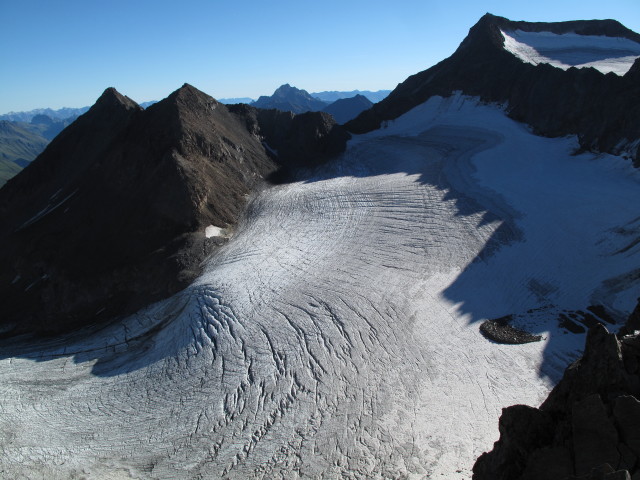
(335, 335)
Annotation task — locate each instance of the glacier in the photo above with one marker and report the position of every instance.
(336, 334)
(605, 54)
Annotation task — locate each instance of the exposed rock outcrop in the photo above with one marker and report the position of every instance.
(602, 110)
(589, 426)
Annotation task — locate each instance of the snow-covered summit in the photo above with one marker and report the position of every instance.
(606, 54)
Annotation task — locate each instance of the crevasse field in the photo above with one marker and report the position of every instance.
(336, 334)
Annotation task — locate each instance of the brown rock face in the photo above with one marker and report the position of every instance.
(591, 427)
(111, 216)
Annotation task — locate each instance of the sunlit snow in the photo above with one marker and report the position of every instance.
(606, 54)
(336, 335)
(213, 231)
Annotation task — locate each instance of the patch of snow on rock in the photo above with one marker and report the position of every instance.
(213, 231)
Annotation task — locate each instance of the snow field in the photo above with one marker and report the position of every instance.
(606, 54)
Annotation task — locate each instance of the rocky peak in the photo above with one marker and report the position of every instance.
(111, 99)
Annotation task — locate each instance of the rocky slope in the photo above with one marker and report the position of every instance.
(294, 140)
(603, 110)
(112, 214)
(589, 426)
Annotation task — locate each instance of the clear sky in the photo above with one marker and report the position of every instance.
(64, 53)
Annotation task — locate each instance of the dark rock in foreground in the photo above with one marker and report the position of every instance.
(589, 426)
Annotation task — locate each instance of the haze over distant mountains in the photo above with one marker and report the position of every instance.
(328, 96)
(22, 140)
(292, 99)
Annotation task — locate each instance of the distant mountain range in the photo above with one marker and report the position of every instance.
(326, 96)
(290, 99)
(332, 96)
(22, 141)
(60, 114)
(233, 101)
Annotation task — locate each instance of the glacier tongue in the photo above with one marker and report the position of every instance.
(337, 335)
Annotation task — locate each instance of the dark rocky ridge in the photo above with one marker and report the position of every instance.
(111, 216)
(303, 140)
(589, 426)
(603, 110)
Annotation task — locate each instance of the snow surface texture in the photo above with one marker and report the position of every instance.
(607, 54)
(336, 335)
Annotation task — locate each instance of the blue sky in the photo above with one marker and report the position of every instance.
(65, 53)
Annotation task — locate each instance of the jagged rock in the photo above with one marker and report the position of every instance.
(602, 110)
(633, 323)
(295, 140)
(593, 427)
(595, 439)
(548, 463)
(626, 411)
(523, 430)
(628, 459)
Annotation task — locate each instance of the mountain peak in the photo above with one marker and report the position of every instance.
(288, 98)
(112, 98)
(189, 97)
(287, 90)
